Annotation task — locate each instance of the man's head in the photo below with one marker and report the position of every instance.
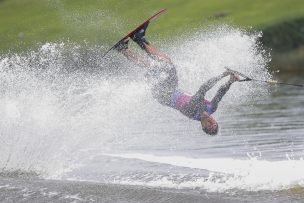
(209, 124)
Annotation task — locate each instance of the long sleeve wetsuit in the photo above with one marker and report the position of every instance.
(166, 92)
(165, 86)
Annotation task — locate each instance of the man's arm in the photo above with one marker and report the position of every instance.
(196, 100)
(222, 91)
(200, 94)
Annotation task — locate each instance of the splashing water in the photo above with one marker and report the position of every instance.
(49, 108)
(63, 104)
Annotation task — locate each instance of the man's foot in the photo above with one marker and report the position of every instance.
(123, 45)
(139, 36)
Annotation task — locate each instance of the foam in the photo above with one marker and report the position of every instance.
(250, 174)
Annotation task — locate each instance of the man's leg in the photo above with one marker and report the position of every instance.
(163, 88)
(139, 38)
(123, 48)
(136, 58)
(155, 53)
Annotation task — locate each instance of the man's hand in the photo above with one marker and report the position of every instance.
(226, 73)
(234, 77)
(229, 71)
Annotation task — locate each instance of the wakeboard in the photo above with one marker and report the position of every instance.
(135, 30)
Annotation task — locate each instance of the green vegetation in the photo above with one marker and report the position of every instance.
(24, 23)
(291, 61)
(284, 36)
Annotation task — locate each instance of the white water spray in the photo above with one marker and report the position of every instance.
(57, 101)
